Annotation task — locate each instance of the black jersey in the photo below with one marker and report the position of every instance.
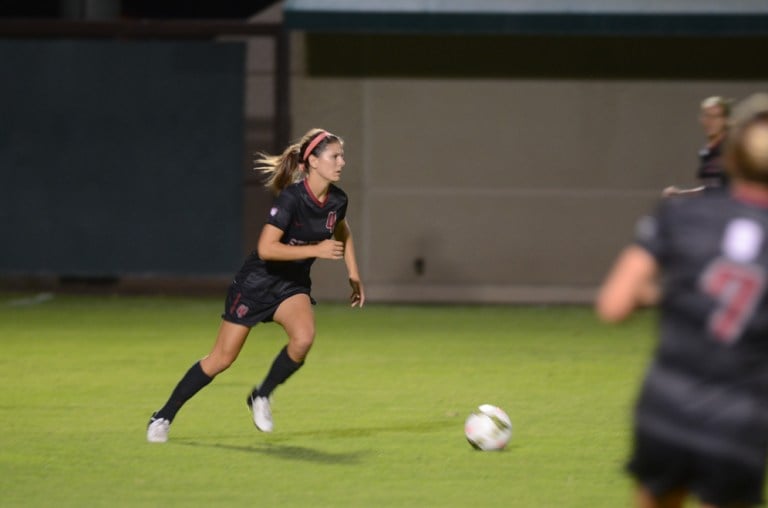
(304, 221)
(711, 171)
(707, 387)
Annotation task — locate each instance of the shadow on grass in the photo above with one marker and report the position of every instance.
(405, 428)
(282, 451)
(291, 452)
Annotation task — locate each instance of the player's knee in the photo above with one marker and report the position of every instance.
(300, 344)
(217, 363)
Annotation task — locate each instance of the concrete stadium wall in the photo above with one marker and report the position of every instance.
(494, 189)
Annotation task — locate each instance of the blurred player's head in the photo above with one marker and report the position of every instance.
(713, 116)
(747, 147)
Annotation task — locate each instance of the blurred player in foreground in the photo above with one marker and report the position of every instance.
(307, 221)
(701, 419)
(713, 117)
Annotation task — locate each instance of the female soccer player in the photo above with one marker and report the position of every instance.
(701, 418)
(307, 221)
(713, 117)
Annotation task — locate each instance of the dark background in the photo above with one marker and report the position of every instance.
(120, 157)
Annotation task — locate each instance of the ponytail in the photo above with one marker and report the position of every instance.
(280, 170)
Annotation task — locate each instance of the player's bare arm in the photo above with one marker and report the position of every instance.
(630, 283)
(677, 191)
(344, 234)
(272, 249)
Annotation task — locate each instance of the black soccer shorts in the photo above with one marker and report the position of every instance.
(662, 466)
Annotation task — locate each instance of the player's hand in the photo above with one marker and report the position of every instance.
(358, 294)
(330, 249)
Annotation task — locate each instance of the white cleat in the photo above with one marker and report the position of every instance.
(157, 430)
(262, 413)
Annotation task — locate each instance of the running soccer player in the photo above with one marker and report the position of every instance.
(713, 117)
(714, 120)
(701, 418)
(307, 221)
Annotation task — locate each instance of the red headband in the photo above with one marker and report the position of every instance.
(312, 144)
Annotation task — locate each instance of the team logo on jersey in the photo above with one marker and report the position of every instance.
(743, 240)
(241, 310)
(273, 211)
(330, 222)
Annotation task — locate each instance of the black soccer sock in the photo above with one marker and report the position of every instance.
(192, 382)
(282, 368)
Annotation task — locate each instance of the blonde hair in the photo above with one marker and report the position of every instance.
(290, 166)
(718, 101)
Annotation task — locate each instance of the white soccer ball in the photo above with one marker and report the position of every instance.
(488, 428)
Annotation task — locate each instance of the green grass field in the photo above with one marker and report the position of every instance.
(375, 417)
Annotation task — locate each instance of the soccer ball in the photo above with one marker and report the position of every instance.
(488, 428)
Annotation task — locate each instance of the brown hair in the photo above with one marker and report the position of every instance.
(748, 151)
(289, 167)
(747, 145)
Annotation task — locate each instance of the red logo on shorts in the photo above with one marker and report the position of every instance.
(241, 310)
